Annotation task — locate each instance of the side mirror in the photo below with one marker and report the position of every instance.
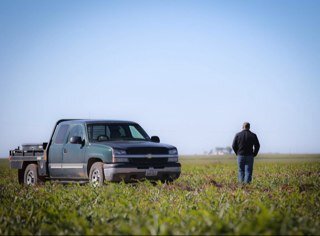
(155, 139)
(76, 140)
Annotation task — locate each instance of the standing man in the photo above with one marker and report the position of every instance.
(246, 146)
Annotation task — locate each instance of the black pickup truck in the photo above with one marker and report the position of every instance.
(95, 151)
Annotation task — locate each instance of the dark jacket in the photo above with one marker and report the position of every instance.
(246, 143)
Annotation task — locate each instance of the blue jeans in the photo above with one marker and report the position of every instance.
(245, 167)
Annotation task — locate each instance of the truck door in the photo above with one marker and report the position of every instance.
(56, 150)
(73, 165)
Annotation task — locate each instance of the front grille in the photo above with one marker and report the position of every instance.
(148, 161)
(147, 150)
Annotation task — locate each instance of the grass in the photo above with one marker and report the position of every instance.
(283, 199)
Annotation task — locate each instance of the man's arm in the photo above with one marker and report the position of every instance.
(235, 145)
(256, 146)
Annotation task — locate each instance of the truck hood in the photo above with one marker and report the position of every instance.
(124, 145)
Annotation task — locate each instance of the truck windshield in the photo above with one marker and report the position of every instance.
(115, 132)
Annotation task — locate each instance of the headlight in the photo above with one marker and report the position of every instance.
(119, 152)
(173, 151)
(173, 159)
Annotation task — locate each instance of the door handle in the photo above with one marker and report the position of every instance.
(65, 150)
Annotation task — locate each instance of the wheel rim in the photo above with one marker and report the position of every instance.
(30, 178)
(95, 176)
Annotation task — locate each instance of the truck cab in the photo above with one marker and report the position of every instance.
(95, 151)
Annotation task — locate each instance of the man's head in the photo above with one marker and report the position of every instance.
(246, 126)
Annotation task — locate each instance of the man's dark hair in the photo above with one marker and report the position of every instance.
(246, 125)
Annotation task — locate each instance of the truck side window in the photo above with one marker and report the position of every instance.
(76, 131)
(61, 134)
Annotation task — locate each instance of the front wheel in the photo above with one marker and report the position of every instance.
(96, 175)
(31, 177)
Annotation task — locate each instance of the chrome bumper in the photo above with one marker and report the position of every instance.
(116, 172)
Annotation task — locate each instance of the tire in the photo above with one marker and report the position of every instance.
(31, 177)
(96, 175)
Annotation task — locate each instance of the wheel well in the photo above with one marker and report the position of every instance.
(90, 163)
(26, 163)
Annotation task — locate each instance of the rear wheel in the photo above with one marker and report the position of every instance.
(96, 175)
(31, 177)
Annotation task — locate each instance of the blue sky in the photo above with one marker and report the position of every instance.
(190, 72)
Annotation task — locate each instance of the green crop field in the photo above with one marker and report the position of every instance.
(284, 198)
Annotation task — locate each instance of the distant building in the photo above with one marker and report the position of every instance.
(223, 150)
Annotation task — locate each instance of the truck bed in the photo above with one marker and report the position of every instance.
(19, 157)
